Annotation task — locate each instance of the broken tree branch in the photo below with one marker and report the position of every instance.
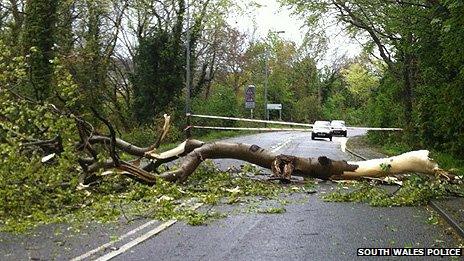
(283, 166)
(113, 153)
(166, 126)
(54, 145)
(410, 162)
(194, 152)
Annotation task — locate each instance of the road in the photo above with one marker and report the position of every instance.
(313, 230)
(310, 229)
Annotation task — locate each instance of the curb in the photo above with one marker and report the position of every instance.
(451, 222)
(355, 154)
(459, 230)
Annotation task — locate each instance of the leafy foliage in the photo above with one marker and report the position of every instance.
(31, 190)
(120, 196)
(222, 102)
(421, 85)
(414, 192)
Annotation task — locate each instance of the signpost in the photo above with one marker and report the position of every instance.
(250, 98)
(275, 106)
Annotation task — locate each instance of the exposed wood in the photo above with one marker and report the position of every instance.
(410, 162)
(164, 132)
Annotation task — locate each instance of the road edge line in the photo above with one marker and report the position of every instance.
(447, 218)
(106, 245)
(137, 241)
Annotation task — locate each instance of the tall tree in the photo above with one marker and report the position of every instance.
(159, 67)
(418, 41)
(387, 25)
(38, 42)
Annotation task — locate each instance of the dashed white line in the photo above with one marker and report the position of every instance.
(142, 238)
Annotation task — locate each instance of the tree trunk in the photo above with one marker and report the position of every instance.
(407, 88)
(284, 166)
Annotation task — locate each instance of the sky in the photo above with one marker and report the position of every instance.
(270, 17)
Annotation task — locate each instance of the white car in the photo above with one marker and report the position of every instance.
(338, 128)
(322, 129)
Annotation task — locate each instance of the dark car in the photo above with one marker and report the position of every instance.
(338, 128)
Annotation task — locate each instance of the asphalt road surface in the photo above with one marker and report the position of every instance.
(310, 229)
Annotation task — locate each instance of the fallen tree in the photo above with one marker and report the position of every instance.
(193, 152)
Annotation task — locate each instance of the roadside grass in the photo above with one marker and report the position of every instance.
(212, 136)
(207, 137)
(392, 145)
(449, 162)
(146, 135)
(446, 161)
(219, 135)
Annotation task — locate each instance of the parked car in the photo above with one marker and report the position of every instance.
(338, 128)
(321, 129)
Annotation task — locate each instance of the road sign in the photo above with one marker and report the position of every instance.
(274, 106)
(250, 97)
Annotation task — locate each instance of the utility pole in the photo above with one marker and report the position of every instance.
(187, 69)
(266, 83)
(266, 80)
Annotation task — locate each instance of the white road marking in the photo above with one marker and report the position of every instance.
(137, 241)
(343, 142)
(104, 246)
(131, 244)
(142, 238)
(281, 145)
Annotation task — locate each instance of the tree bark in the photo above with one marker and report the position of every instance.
(284, 166)
(194, 152)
